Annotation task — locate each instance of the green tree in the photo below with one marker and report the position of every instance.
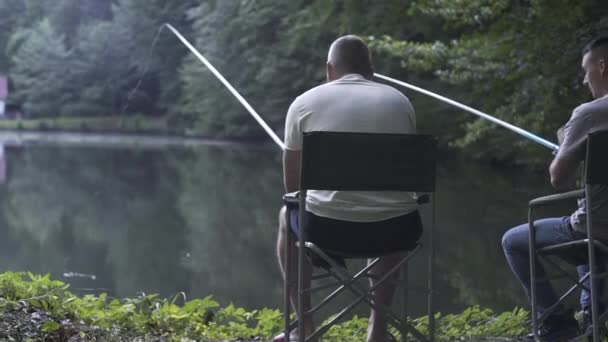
(272, 51)
(68, 16)
(518, 60)
(41, 71)
(156, 64)
(10, 11)
(102, 68)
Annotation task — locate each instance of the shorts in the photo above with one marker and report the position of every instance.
(359, 239)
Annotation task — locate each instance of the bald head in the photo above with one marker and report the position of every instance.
(349, 54)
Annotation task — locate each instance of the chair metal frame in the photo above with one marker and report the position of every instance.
(328, 162)
(596, 173)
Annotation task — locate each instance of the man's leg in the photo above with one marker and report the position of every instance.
(586, 297)
(560, 324)
(378, 326)
(293, 267)
(515, 245)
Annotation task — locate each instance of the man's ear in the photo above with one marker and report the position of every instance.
(330, 72)
(603, 66)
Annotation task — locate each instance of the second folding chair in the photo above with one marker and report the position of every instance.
(583, 251)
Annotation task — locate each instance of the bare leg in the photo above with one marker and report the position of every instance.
(293, 267)
(377, 329)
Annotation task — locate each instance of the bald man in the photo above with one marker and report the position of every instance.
(350, 102)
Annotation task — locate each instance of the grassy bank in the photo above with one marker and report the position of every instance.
(37, 308)
(115, 124)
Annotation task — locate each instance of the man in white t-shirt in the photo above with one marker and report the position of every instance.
(339, 220)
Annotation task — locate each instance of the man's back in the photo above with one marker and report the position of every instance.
(352, 104)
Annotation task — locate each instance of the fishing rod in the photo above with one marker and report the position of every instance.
(479, 113)
(279, 142)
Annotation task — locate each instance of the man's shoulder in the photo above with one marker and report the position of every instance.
(338, 87)
(314, 91)
(597, 106)
(310, 95)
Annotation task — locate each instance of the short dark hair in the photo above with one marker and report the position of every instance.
(351, 55)
(599, 42)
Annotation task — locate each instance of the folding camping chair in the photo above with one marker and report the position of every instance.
(582, 251)
(361, 162)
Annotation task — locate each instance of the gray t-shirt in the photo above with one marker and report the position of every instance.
(586, 118)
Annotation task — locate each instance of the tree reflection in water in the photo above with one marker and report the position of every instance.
(203, 220)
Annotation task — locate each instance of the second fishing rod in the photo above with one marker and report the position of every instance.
(518, 130)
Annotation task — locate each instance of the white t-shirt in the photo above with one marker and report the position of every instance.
(352, 104)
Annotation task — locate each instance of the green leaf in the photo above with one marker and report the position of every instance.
(50, 326)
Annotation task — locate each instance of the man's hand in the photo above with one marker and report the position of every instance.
(562, 171)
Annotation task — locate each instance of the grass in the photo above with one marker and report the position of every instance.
(130, 124)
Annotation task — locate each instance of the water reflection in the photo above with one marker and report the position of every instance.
(202, 219)
(2, 164)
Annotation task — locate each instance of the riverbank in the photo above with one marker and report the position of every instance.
(37, 308)
(163, 126)
(100, 124)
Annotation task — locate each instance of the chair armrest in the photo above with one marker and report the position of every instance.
(292, 197)
(557, 197)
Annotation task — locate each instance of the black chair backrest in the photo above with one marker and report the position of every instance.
(368, 162)
(596, 164)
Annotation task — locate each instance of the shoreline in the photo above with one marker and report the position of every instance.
(17, 138)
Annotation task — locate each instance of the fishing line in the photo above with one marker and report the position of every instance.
(143, 73)
(236, 94)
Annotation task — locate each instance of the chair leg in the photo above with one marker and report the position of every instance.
(431, 273)
(301, 285)
(404, 293)
(532, 255)
(592, 271)
(287, 286)
(300, 291)
(365, 296)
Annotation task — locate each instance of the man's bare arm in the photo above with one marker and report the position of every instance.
(291, 170)
(562, 171)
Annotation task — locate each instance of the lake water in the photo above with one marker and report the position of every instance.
(128, 215)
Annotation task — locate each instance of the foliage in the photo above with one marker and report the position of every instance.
(74, 57)
(143, 315)
(518, 60)
(478, 322)
(204, 319)
(498, 62)
(42, 71)
(272, 51)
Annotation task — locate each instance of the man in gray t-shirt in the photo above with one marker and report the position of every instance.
(572, 137)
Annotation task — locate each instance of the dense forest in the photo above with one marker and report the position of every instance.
(516, 59)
